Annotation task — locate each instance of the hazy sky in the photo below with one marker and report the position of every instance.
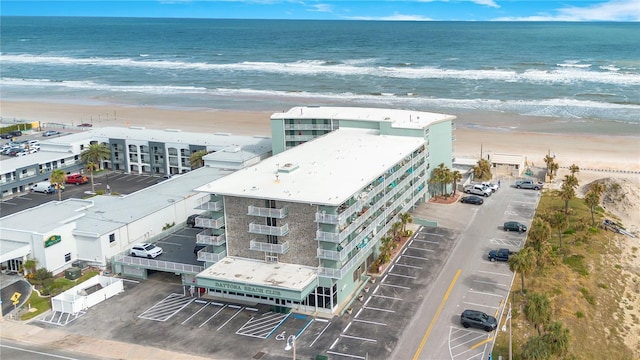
(410, 10)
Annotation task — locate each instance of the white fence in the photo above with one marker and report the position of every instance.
(78, 299)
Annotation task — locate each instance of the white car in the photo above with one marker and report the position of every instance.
(490, 185)
(146, 250)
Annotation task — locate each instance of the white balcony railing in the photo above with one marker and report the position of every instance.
(207, 237)
(205, 222)
(205, 256)
(269, 230)
(210, 205)
(267, 212)
(282, 248)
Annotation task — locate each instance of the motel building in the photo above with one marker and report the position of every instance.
(300, 229)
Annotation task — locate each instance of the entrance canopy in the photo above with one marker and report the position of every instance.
(258, 278)
(10, 249)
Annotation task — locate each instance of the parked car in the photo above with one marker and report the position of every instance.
(472, 199)
(77, 179)
(146, 250)
(479, 320)
(11, 134)
(85, 125)
(514, 226)
(191, 220)
(44, 187)
(500, 254)
(50, 133)
(198, 247)
(490, 185)
(478, 189)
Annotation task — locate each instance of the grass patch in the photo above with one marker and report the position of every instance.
(576, 263)
(42, 304)
(587, 296)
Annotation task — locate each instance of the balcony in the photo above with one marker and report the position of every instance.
(267, 212)
(299, 137)
(267, 247)
(207, 237)
(326, 127)
(269, 230)
(205, 256)
(332, 254)
(205, 222)
(329, 218)
(210, 205)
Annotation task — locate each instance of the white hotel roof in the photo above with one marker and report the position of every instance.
(239, 270)
(399, 118)
(330, 169)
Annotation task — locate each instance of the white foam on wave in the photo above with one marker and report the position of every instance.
(565, 74)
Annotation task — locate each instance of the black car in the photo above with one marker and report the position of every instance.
(191, 220)
(476, 200)
(198, 247)
(514, 226)
(11, 134)
(478, 319)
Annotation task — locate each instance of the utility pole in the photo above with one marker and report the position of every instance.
(509, 317)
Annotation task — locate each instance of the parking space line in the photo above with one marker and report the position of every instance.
(397, 286)
(427, 241)
(404, 276)
(481, 343)
(231, 318)
(489, 283)
(194, 314)
(474, 304)
(321, 332)
(8, 203)
(387, 297)
(263, 326)
(484, 293)
(378, 309)
(346, 355)
(411, 247)
(166, 308)
(410, 266)
(494, 273)
(359, 338)
(212, 316)
(370, 322)
(415, 257)
(430, 233)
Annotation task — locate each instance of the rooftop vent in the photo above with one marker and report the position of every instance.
(287, 168)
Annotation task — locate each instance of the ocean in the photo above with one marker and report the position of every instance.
(548, 69)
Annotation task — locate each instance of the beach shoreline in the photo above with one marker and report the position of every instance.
(475, 133)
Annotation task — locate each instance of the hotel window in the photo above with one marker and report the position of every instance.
(112, 238)
(67, 257)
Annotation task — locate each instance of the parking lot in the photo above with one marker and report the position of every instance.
(120, 183)
(395, 313)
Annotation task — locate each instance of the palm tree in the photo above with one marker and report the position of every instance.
(93, 157)
(539, 241)
(405, 218)
(456, 176)
(559, 221)
(597, 188)
(592, 199)
(548, 159)
(522, 262)
(567, 193)
(482, 171)
(395, 229)
(574, 169)
(553, 169)
(447, 179)
(57, 179)
(538, 310)
(436, 176)
(557, 338)
(195, 160)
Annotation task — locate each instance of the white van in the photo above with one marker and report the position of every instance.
(44, 187)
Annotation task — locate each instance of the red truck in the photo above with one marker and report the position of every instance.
(77, 179)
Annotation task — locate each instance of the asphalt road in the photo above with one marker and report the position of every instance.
(23, 351)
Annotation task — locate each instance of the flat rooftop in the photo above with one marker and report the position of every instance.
(399, 118)
(325, 171)
(255, 272)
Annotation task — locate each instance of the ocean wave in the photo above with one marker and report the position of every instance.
(565, 73)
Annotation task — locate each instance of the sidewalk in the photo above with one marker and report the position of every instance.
(107, 349)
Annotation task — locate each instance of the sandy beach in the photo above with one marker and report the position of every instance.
(533, 137)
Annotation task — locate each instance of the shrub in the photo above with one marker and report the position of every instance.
(576, 263)
(42, 274)
(579, 314)
(585, 293)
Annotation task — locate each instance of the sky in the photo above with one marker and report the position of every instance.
(379, 10)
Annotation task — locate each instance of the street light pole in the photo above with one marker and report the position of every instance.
(291, 344)
(509, 317)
